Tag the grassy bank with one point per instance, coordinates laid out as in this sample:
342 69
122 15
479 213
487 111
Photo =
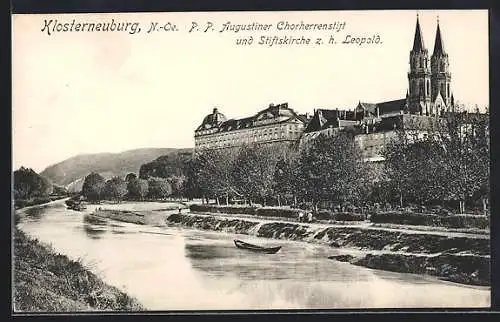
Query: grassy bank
46 281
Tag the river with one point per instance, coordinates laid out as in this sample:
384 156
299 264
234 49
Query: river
168 268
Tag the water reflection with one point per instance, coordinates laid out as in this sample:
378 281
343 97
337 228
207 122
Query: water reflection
93 232
35 213
94 220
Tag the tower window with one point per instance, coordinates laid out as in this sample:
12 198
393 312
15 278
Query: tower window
428 90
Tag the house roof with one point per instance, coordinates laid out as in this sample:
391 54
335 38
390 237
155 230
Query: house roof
326 118
392 106
219 121
387 107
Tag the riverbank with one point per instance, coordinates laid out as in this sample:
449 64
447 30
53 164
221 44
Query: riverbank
461 258
45 281
454 256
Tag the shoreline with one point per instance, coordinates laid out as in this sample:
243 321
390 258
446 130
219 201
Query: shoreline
44 280
454 256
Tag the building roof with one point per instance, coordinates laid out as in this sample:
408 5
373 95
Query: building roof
274 111
325 118
387 107
392 106
211 120
219 121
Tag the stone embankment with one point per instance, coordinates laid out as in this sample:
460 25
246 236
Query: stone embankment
457 257
454 257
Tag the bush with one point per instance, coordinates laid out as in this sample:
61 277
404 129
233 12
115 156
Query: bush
451 221
245 210
347 216
339 216
466 221
279 212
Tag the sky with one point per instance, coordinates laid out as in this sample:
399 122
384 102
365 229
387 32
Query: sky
90 92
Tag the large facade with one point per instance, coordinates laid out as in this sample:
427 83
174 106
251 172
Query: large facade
275 124
374 124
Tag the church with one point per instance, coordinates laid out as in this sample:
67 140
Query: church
428 97
429 80
429 84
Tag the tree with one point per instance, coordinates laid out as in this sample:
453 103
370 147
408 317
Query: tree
177 183
29 184
93 187
331 169
115 188
191 185
253 171
215 173
466 146
284 177
159 188
450 163
165 166
138 188
130 177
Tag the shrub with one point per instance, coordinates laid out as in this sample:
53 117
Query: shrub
224 209
450 221
347 216
339 216
278 212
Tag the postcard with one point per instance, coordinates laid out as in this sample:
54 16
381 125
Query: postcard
185 161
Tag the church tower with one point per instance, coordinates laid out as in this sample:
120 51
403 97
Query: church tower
419 77
441 76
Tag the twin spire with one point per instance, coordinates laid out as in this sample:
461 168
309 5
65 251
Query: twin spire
418 41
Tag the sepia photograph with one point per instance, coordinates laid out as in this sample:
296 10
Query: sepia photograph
184 161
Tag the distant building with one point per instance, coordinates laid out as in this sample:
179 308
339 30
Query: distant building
376 124
275 124
327 122
429 80
373 125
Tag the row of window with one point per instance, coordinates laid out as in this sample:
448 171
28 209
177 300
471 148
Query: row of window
235 142
261 132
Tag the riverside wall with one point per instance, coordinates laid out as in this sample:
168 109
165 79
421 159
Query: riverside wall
459 258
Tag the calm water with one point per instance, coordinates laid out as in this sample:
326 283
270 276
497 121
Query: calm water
175 269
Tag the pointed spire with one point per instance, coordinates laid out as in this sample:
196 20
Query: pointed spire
438 43
418 41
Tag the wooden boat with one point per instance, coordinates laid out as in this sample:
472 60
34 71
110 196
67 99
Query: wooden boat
268 250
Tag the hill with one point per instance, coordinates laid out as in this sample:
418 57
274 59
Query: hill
72 170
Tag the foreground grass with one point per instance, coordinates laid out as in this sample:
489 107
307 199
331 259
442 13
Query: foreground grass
50 282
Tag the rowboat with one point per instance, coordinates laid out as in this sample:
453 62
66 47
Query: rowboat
268 250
